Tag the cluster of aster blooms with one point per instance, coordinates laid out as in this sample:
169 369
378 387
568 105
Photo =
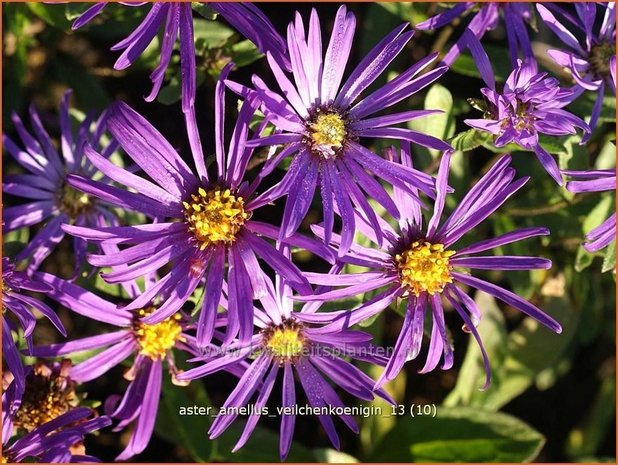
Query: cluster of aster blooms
260 317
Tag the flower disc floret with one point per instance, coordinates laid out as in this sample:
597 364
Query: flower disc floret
215 216
285 341
600 55
49 393
327 132
424 267
155 340
73 202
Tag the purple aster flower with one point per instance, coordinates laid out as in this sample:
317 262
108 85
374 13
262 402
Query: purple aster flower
204 222
148 345
21 307
177 21
592 55
421 265
486 17
51 200
529 104
595 181
49 442
285 345
321 121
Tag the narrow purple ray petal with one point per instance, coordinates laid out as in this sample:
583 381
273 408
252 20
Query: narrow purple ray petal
83 302
511 299
503 262
99 364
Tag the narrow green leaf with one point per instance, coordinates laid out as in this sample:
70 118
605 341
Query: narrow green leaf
468 140
609 261
583 259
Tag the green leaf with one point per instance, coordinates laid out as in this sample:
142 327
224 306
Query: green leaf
212 33
54 15
552 144
204 10
468 140
583 259
609 261
244 53
263 446
599 213
15 241
187 431
171 93
460 435
440 125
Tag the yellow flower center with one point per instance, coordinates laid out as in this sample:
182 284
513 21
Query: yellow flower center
155 340
328 133
215 216
49 393
424 267
285 341
73 202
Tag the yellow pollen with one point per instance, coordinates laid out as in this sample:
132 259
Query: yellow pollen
285 341
73 202
424 267
215 216
155 340
328 132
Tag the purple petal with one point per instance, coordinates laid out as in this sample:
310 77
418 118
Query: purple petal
511 299
512 236
99 364
83 302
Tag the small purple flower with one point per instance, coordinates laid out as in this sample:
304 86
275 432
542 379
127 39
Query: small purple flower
21 306
51 441
486 18
285 344
529 104
321 121
51 199
420 265
177 21
203 222
595 181
592 55
149 345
